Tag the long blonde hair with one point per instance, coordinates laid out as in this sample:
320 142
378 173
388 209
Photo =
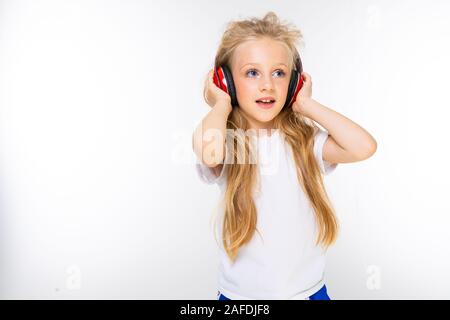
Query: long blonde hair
240 216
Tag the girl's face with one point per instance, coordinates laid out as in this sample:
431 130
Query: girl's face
260 69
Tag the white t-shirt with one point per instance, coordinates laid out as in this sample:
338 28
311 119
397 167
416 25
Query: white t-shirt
285 263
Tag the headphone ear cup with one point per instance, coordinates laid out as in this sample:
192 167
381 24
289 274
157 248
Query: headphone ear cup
217 78
291 89
223 79
298 86
295 84
230 85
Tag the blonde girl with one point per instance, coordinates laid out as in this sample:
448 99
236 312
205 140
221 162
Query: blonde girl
276 220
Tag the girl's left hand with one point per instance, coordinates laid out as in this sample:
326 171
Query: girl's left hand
304 94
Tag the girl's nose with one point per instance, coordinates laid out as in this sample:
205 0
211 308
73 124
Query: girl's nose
266 83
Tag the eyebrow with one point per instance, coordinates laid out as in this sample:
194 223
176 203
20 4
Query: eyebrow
257 64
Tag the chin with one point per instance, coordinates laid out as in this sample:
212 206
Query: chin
264 119
262 115
265 115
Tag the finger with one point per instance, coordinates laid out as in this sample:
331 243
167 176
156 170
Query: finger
206 86
307 77
208 76
211 76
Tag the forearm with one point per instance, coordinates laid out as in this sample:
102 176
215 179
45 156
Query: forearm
209 136
347 134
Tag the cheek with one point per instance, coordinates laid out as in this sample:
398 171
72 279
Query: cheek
283 88
245 89
283 85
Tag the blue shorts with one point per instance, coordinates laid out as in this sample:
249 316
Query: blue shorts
319 295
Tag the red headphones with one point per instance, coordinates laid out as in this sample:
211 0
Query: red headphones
224 80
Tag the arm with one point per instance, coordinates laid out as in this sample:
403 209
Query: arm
208 139
348 142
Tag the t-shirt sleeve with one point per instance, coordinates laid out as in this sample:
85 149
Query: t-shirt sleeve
207 174
319 140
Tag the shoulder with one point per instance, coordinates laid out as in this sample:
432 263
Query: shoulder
322 144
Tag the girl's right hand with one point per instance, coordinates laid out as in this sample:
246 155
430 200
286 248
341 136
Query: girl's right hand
212 93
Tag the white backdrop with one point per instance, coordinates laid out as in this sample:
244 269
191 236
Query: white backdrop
99 197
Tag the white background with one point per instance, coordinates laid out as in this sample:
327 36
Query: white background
99 198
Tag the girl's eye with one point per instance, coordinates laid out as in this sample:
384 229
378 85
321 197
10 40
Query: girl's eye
281 72
250 71
254 71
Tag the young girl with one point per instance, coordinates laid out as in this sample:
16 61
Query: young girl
276 221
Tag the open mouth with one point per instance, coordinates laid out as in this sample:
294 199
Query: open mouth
266 104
